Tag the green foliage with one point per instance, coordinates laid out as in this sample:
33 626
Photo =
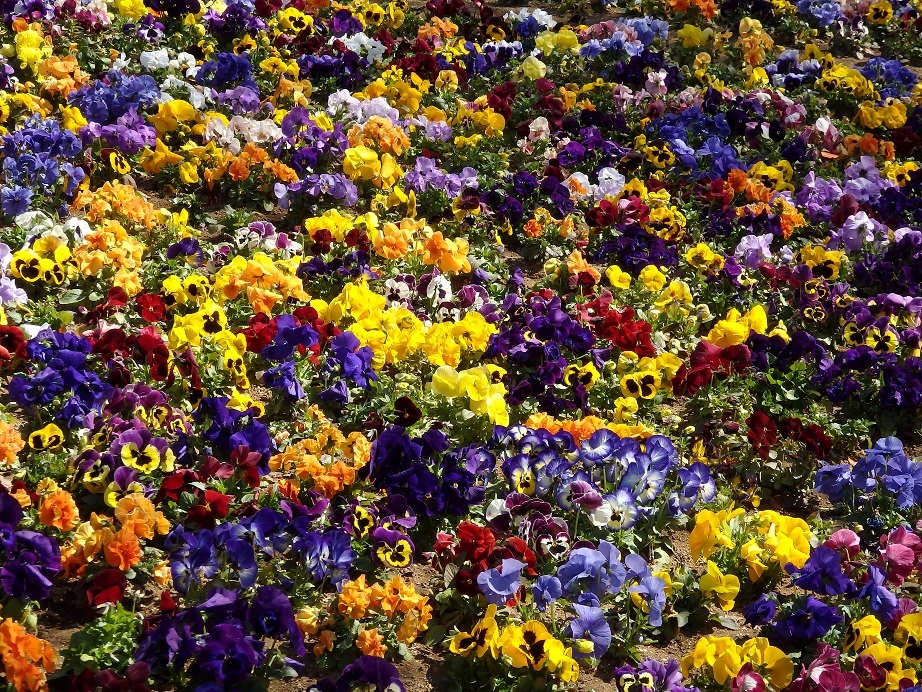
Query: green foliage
107 643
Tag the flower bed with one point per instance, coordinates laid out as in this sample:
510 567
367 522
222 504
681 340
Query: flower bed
335 335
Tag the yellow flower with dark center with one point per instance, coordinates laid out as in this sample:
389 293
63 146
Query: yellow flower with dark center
52 272
901 174
400 554
524 480
816 313
854 335
666 222
705 260
49 437
824 263
173 293
96 478
196 286
816 288
525 645
880 12
233 363
586 375
481 639
882 340
157 415
26 265
213 318
101 437
862 633
909 634
637 682
117 162
362 521
144 459
890 658
244 44
294 21
659 154
395 15
495 32
374 14
643 384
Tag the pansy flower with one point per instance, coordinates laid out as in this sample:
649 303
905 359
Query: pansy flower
392 548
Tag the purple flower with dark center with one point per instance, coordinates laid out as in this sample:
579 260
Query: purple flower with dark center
653 591
370 673
288 337
349 359
328 555
270 614
170 643
242 100
903 478
15 200
393 451
283 377
590 624
761 611
881 600
187 247
336 395
697 485
808 623
240 554
834 481
498 585
192 557
596 571
228 656
822 574
579 492
10 510
546 590
32 561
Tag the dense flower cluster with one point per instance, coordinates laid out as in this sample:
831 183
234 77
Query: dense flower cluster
333 334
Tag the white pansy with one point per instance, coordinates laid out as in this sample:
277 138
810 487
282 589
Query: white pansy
611 182
216 131
373 49
155 59
543 18
539 129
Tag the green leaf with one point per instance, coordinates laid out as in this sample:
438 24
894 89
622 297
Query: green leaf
435 635
451 570
74 295
728 622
